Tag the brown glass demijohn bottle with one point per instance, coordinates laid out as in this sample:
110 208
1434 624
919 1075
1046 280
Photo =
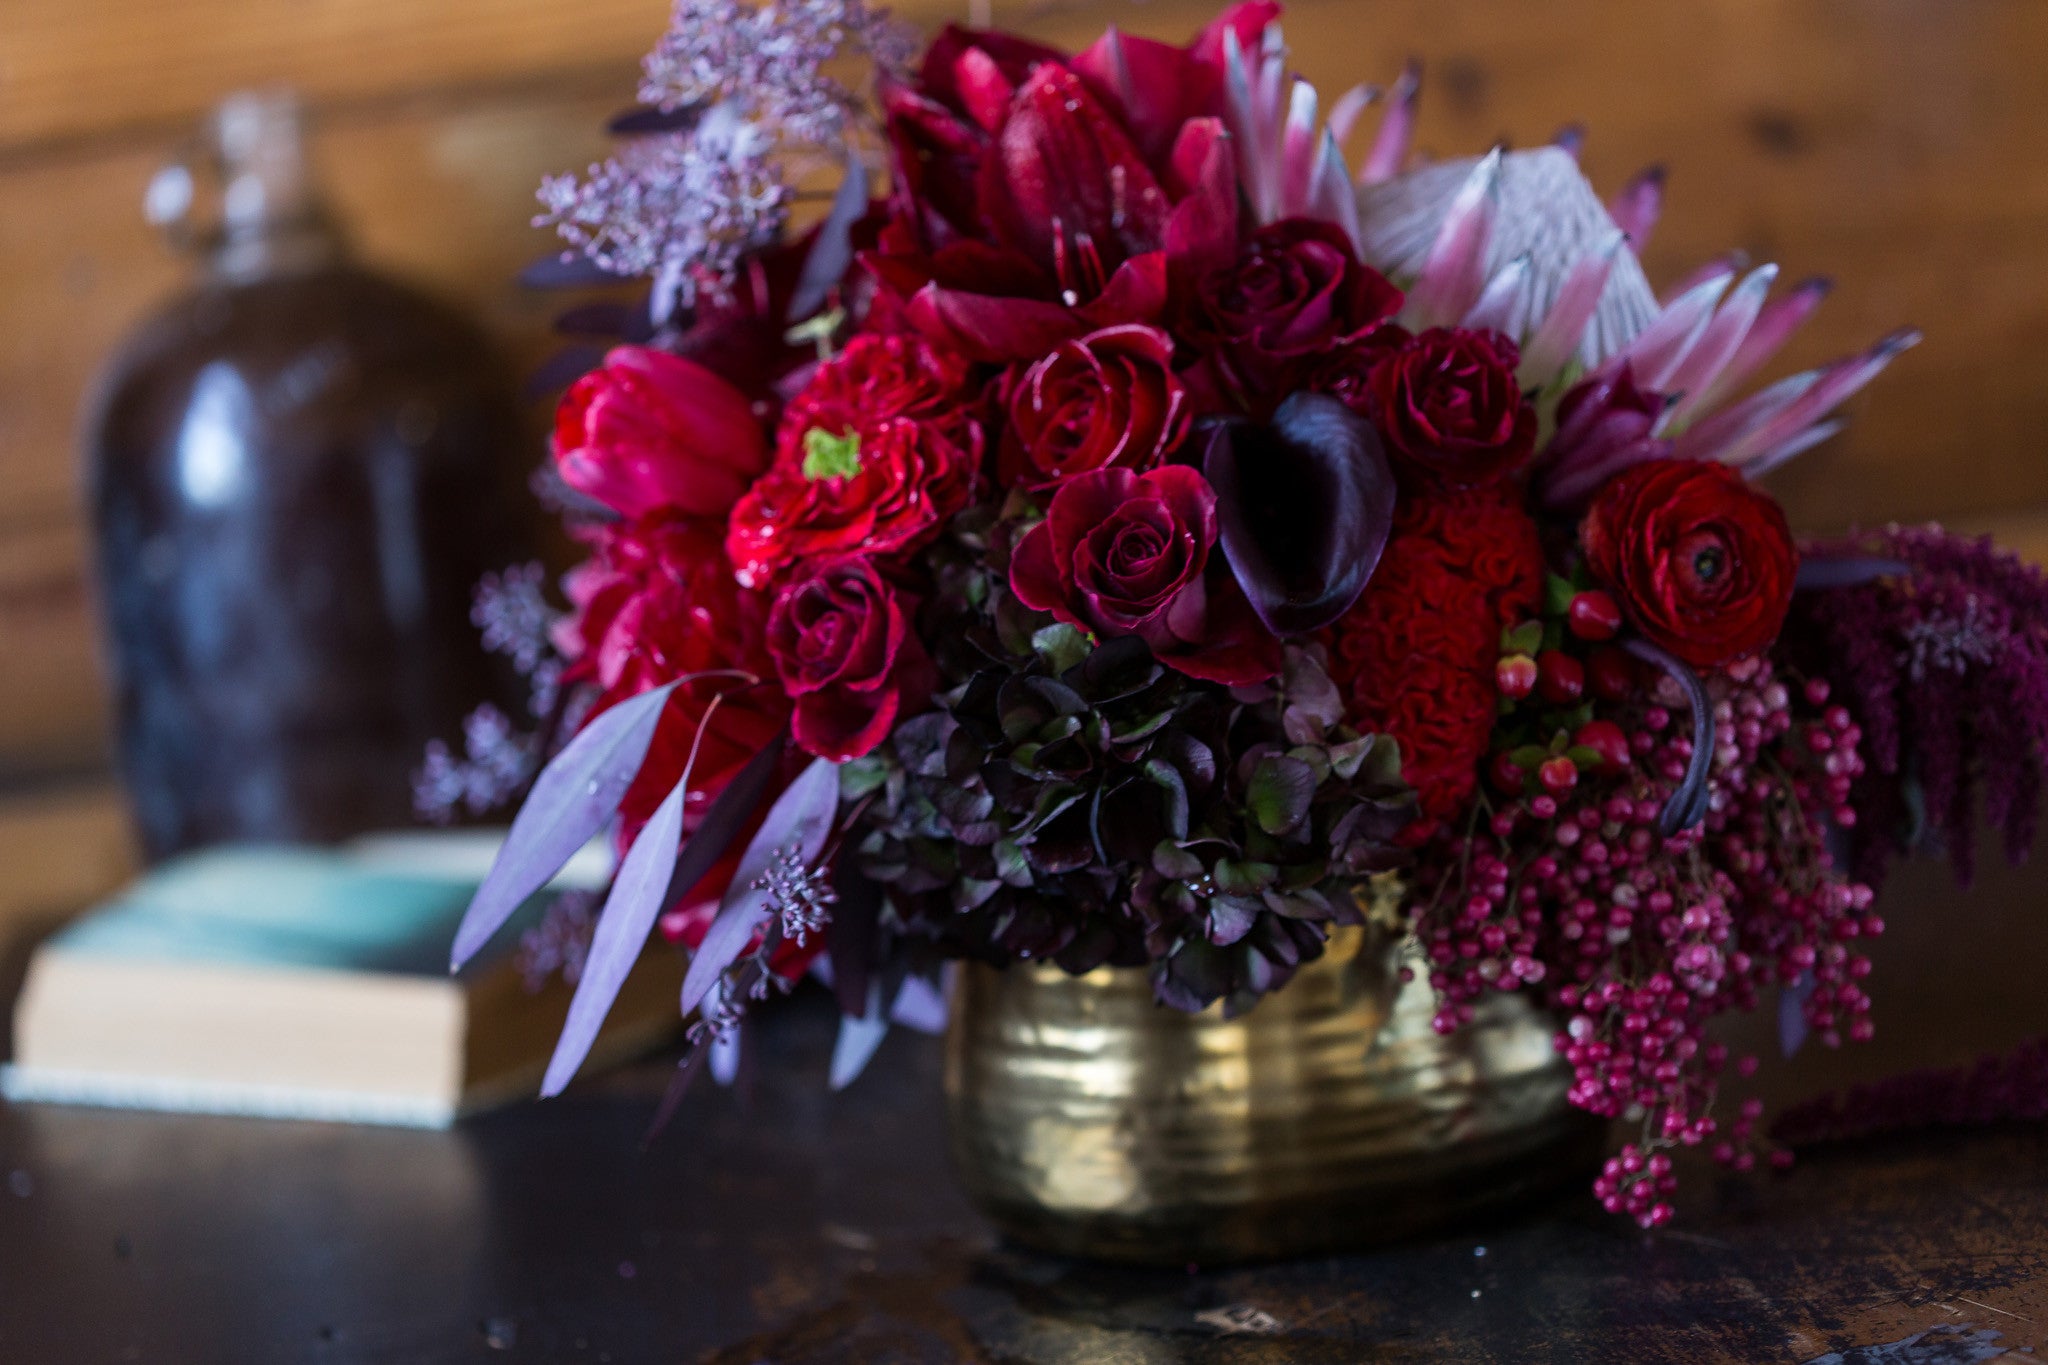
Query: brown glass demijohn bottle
297 472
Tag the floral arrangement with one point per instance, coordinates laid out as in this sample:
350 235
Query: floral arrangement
1133 530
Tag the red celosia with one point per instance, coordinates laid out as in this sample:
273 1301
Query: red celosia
1416 656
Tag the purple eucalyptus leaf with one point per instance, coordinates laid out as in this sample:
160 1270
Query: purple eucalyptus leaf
678 1086
1792 1025
566 270
620 321
1818 573
801 819
1305 504
570 801
725 1055
562 369
856 921
858 1039
832 250
920 1005
729 813
635 902
1688 805
643 119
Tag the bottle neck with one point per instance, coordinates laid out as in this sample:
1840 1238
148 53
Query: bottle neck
293 246
268 218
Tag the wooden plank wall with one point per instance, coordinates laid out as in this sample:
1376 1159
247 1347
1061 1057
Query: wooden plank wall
1895 144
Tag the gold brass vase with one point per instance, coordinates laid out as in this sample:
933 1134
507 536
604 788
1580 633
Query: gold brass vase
1088 1120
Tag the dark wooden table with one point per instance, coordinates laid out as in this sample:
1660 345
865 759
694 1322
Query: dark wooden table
804 1227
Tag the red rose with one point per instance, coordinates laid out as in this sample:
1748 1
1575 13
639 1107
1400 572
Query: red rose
1295 293
655 603
876 453
843 647
649 430
1109 398
1702 563
1450 409
1121 553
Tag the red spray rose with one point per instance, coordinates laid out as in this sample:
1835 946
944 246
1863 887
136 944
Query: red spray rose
1703 564
1109 398
879 377
843 646
1416 658
649 430
1121 553
1295 293
657 602
874 455
1450 409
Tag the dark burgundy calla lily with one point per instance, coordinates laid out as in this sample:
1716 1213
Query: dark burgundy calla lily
1305 504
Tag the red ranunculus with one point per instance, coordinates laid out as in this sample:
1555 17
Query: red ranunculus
657 602
1295 293
876 453
1109 398
1122 553
1450 409
649 430
1702 563
843 646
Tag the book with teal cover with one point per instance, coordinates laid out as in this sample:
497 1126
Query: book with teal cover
302 982
282 907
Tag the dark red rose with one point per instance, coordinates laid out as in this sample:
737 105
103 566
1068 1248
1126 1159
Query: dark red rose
657 602
647 431
1346 373
1295 293
874 456
1701 562
1122 553
1450 409
843 647
1108 398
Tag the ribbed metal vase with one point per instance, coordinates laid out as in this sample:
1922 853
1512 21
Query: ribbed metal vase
1090 1121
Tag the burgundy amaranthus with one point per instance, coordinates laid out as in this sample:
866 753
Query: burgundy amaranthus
1994 1089
1944 660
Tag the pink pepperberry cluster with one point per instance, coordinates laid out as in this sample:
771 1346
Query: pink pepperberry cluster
1637 939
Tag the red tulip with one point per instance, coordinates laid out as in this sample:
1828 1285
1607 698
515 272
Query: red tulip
649 431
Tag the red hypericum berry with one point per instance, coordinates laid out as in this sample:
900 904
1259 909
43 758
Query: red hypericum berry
1593 616
1559 677
1507 774
1515 675
1606 739
1558 775
1612 674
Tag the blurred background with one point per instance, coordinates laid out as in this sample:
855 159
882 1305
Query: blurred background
1895 145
